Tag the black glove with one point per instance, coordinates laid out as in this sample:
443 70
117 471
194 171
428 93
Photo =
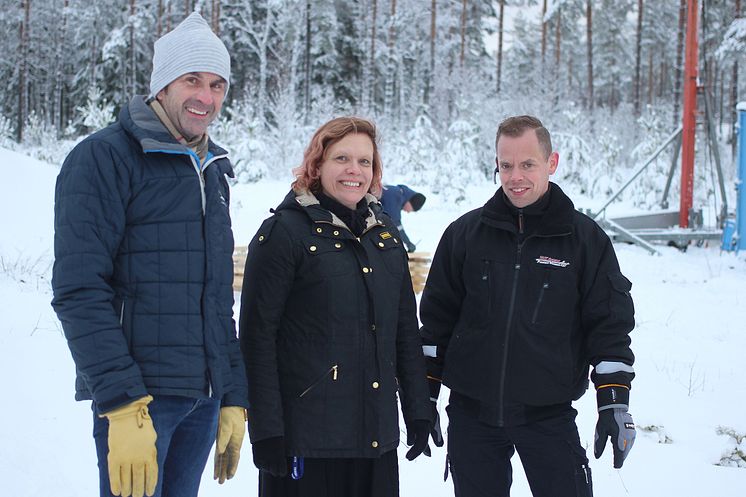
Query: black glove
417 433
614 421
269 456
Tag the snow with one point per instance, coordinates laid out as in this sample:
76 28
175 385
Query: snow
690 344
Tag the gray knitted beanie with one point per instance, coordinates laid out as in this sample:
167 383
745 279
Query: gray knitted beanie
189 47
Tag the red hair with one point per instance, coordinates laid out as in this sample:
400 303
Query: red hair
308 174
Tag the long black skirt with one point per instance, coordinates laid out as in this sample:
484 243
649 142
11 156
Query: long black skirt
337 478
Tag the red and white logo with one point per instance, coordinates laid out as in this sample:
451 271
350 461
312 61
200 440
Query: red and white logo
549 261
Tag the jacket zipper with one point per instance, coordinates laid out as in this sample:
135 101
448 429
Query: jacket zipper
334 370
538 303
508 326
520 221
200 174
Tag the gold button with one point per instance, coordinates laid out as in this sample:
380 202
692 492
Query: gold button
336 233
375 384
366 270
380 244
312 248
338 245
261 237
318 230
374 444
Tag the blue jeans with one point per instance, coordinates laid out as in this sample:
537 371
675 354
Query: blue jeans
186 430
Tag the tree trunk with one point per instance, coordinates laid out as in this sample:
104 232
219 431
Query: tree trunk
430 88
734 93
650 77
216 16
543 34
388 90
307 65
23 32
57 114
679 55
132 72
463 33
159 20
637 56
373 56
589 39
500 44
557 53
433 35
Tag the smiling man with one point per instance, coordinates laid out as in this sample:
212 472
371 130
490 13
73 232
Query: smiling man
524 295
143 278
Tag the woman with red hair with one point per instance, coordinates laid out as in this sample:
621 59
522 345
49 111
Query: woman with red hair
329 331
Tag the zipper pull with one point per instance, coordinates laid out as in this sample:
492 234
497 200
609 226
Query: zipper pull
334 372
520 221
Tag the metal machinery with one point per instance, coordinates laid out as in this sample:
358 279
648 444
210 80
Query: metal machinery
662 226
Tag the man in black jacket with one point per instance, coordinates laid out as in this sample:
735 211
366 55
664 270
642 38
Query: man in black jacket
524 294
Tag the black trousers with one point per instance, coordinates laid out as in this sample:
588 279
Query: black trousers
553 459
337 478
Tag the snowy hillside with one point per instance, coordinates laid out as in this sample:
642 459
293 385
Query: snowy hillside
690 344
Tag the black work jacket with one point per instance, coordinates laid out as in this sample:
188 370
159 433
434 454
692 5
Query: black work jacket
328 330
517 323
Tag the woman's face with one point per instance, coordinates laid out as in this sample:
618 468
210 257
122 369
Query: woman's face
347 169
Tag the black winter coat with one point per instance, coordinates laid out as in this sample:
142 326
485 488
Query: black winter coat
143 266
328 330
519 323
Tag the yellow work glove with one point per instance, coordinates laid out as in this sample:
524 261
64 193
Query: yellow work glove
133 461
231 429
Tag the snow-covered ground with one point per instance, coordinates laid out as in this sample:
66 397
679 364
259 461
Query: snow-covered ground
690 344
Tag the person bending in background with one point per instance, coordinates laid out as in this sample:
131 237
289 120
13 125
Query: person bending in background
143 278
397 198
523 295
329 331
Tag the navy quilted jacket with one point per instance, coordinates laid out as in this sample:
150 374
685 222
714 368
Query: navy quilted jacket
143 268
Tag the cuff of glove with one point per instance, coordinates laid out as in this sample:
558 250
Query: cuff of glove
127 409
612 396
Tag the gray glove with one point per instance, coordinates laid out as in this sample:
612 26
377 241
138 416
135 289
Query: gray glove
614 421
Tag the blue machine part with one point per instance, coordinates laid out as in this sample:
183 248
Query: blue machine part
734 232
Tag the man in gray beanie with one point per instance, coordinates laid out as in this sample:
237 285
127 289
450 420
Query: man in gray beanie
143 277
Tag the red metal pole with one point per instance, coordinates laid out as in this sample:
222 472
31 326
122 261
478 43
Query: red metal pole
690 114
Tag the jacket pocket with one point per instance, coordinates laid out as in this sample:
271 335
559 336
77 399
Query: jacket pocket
620 300
332 371
540 299
328 257
123 308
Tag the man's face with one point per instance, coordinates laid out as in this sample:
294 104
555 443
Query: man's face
192 102
524 168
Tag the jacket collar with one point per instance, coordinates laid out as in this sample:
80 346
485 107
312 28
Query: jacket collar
556 218
139 120
308 203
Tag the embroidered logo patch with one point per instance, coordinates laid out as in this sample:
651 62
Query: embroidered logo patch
543 259
385 235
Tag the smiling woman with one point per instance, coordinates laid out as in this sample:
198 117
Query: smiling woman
328 329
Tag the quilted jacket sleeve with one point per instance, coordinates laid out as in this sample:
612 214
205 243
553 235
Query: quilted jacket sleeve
89 220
